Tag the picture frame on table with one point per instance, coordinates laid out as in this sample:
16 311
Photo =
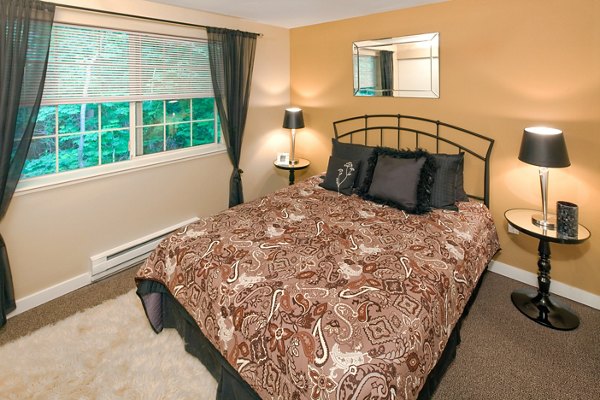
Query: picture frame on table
283 158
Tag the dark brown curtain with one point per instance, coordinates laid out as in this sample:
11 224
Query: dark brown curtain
231 55
386 63
25 28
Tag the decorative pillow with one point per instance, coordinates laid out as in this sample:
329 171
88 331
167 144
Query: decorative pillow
460 189
443 192
400 178
352 151
341 175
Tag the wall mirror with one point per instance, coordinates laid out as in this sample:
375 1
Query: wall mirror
406 66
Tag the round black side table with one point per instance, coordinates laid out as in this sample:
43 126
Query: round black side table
300 164
539 305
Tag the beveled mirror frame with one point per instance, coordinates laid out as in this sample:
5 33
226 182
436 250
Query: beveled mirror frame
412 66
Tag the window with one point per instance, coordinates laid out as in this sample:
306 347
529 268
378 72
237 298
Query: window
366 79
115 97
73 136
175 124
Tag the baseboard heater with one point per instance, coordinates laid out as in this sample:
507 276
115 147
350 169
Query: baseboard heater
128 254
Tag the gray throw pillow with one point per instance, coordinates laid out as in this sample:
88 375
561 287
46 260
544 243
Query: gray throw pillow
394 183
341 175
461 195
395 180
352 151
443 192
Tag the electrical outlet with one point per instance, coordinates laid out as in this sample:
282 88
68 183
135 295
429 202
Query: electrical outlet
512 229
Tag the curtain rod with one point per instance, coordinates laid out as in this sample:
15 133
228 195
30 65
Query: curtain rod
134 16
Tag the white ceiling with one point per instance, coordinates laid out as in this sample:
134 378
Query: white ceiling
295 13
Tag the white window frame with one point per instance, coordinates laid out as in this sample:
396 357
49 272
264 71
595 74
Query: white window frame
135 163
59 179
106 170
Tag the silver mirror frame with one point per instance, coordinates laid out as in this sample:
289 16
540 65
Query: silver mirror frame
415 66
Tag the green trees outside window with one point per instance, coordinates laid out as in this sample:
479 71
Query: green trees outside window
73 136
175 124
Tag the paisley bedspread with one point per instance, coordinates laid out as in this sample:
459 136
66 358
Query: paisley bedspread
313 295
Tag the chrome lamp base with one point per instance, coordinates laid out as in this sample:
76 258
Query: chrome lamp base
549 223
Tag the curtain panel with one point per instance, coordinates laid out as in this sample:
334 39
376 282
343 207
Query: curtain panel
387 72
231 54
25 29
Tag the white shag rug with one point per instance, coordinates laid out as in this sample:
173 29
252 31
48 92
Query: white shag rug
106 352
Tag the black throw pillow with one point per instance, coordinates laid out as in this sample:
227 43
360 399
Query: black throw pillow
443 192
352 151
400 178
341 175
461 195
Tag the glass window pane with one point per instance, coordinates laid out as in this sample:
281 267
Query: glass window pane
41 159
70 118
178 136
152 112
46 121
91 116
178 110
203 133
203 108
152 139
77 151
115 146
115 115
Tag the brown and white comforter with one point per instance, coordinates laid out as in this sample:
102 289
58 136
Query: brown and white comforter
313 295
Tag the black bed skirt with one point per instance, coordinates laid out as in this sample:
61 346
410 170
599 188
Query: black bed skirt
230 385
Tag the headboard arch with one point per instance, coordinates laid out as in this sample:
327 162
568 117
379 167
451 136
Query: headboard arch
375 129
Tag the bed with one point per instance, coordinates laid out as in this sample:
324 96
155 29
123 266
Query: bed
336 292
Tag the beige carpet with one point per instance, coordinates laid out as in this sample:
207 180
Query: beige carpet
503 355
105 352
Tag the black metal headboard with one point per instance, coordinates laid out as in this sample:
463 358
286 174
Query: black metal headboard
416 132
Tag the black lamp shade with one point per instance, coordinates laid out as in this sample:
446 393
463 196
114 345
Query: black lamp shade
293 118
544 147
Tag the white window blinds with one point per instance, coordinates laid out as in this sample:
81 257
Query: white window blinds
88 65
366 78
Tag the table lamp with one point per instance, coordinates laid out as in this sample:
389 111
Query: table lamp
293 119
546 148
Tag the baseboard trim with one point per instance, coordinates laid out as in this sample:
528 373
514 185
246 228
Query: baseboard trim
51 293
559 288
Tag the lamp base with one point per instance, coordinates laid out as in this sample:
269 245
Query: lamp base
550 223
293 162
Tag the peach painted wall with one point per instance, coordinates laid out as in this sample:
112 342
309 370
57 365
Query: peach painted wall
505 65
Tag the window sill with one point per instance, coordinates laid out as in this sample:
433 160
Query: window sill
47 182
